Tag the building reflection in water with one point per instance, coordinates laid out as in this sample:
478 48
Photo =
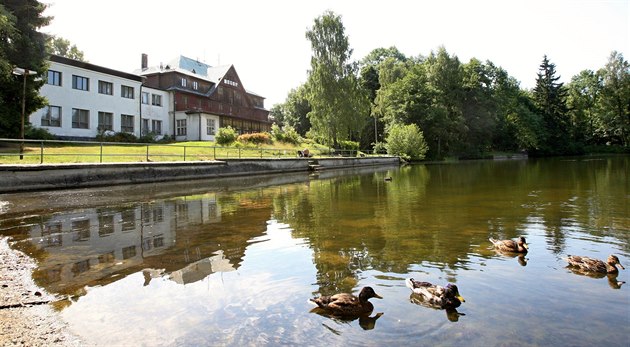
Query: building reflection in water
183 238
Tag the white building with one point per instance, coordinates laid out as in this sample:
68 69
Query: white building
85 100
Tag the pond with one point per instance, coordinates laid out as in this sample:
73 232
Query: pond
234 262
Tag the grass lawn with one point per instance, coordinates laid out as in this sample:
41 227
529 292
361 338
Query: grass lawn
88 152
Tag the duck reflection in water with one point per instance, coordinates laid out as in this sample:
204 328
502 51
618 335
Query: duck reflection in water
346 307
520 257
596 268
451 313
365 321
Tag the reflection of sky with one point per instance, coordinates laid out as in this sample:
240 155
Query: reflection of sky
275 275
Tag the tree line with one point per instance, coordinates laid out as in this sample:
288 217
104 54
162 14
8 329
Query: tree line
467 110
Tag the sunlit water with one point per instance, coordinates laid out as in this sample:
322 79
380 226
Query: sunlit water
234 262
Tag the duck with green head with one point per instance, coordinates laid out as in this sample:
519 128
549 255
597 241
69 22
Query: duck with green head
344 304
446 297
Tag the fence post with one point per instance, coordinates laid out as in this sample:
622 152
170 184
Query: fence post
261 153
184 153
147 153
101 155
41 152
239 153
215 153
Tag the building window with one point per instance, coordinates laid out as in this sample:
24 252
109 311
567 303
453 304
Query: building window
54 78
105 121
195 85
184 82
80 83
210 126
156 125
126 123
156 100
145 126
126 92
145 98
105 88
80 118
51 116
181 127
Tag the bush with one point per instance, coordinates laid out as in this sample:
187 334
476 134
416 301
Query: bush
109 136
406 141
349 145
225 136
255 138
287 134
39 134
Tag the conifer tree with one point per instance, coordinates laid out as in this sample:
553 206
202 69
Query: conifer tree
21 46
550 98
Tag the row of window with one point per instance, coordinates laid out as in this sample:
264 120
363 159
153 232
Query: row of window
156 99
83 83
51 117
180 127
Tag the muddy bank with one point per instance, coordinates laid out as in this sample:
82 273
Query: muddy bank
26 317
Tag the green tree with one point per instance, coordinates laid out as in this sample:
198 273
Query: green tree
406 141
583 98
550 99
296 110
615 100
338 104
21 45
444 73
60 46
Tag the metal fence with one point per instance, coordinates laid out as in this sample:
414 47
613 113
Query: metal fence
17 151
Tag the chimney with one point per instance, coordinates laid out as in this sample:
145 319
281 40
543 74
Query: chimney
145 61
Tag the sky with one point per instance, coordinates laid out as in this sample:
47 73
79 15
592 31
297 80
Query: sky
265 39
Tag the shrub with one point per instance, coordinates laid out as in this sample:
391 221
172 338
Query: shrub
110 136
225 135
38 134
287 134
406 141
255 138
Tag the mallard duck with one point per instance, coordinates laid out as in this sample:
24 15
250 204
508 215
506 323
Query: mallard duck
446 297
512 246
595 265
345 304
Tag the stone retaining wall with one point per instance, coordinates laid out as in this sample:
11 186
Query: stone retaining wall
19 178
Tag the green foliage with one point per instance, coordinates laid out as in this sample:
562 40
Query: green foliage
62 47
338 103
349 145
406 141
286 134
121 137
550 96
226 135
38 134
21 45
255 138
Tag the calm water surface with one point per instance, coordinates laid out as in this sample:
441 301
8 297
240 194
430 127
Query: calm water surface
234 262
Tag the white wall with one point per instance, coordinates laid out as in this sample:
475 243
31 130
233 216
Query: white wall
68 98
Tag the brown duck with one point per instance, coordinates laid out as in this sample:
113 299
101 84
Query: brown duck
519 246
595 265
345 304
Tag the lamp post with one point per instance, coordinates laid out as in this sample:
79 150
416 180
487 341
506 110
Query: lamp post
23 72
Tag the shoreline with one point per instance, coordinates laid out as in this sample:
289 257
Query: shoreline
26 315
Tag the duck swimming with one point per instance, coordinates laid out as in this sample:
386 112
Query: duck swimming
446 297
595 265
519 246
345 304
